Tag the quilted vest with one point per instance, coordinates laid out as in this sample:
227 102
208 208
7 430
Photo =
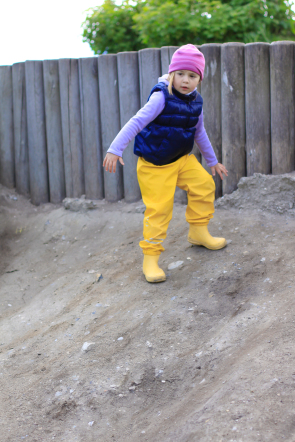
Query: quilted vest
171 135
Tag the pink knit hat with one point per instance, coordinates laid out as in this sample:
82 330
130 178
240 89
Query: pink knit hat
189 58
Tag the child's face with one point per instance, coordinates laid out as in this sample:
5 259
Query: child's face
185 81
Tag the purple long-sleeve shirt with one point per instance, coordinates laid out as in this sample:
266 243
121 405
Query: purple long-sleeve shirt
146 115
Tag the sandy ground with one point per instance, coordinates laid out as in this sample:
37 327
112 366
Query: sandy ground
206 356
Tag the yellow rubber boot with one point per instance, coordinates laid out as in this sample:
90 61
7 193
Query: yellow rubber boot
151 270
200 236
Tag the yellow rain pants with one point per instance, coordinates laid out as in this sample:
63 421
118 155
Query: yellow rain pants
157 185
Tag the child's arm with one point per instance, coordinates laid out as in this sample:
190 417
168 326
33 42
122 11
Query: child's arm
144 116
206 149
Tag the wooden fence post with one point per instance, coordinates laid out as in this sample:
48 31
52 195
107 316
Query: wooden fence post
21 152
149 70
71 127
165 59
211 93
166 55
36 132
110 121
257 100
233 114
282 67
129 100
6 128
53 131
92 149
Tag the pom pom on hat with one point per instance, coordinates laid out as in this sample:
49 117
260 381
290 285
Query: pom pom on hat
189 58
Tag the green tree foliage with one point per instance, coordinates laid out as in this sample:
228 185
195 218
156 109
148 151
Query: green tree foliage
156 23
110 28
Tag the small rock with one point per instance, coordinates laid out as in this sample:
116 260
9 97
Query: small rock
91 271
229 241
132 388
120 339
90 423
98 277
203 380
78 204
140 209
87 346
175 265
58 393
262 260
149 344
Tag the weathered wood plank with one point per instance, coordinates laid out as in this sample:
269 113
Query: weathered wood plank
6 128
36 132
110 121
211 93
91 130
54 131
233 114
71 127
129 99
282 91
21 150
149 71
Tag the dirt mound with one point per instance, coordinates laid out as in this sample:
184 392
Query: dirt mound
272 193
206 356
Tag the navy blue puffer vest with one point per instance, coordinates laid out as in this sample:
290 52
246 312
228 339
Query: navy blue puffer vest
171 135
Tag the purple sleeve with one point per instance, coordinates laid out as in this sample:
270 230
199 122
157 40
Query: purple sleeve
203 142
144 116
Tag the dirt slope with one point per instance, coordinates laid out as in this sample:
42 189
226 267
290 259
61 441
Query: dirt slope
206 356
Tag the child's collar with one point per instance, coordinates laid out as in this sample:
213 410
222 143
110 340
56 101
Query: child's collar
185 97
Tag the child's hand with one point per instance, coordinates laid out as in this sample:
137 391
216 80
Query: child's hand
220 169
110 162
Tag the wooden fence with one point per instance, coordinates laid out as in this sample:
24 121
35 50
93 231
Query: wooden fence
58 117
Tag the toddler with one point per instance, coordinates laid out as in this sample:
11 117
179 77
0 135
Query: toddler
165 130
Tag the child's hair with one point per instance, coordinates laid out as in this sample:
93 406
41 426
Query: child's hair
171 78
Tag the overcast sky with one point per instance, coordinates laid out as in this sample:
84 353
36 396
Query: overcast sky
42 29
